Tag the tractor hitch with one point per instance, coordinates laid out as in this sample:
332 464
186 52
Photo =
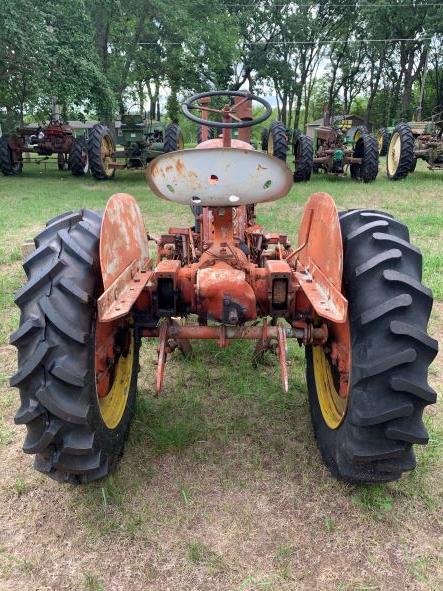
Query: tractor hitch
172 335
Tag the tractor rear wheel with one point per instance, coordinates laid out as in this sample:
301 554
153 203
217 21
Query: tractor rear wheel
264 139
366 433
174 140
383 137
366 149
400 152
303 158
78 158
101 150
77 377
7 165
278 141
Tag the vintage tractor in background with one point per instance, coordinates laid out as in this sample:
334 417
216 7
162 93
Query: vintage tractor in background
278 137
44 141
143 140
349 290
335 151
414 140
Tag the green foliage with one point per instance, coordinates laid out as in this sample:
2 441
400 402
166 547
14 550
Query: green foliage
98 57
45 52
376 500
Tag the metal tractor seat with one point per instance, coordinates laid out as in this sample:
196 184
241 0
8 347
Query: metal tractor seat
219 177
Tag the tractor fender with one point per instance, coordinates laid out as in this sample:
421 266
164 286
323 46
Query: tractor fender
124 256
320 260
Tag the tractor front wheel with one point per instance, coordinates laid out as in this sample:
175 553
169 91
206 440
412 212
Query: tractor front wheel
366 149
7 164
78 158
76 376
278 141
101 151
400 158
303 158
174 140
366 430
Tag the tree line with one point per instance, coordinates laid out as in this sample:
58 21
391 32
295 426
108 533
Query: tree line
379 58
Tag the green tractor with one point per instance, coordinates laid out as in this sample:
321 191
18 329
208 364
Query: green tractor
416 140
142 141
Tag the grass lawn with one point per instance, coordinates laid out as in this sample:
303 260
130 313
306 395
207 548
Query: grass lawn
221 486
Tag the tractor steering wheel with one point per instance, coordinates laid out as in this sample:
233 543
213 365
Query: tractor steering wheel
227 111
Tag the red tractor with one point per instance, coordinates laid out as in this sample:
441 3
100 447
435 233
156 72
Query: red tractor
43 142
349 290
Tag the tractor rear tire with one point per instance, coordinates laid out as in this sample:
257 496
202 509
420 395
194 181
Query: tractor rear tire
66 429
7 166
78 158
278 141
389 310
365 148
264 139
303 158
212 133
174 140
400 158
413 165
101 150
383 138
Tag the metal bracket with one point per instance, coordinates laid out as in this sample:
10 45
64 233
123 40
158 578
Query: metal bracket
123 292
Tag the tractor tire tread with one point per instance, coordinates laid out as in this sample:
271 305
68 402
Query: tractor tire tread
96 166
305 161
55 377
406 160
279 140
173 138
365 148
391 353
76 164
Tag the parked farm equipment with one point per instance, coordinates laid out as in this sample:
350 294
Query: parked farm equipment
44 142
416 140
143 140
335 152
349 290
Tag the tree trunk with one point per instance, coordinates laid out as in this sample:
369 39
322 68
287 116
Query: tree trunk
141 96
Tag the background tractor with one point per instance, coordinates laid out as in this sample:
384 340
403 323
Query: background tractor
335 151
349 290
411 141
44 141
142 141
278 137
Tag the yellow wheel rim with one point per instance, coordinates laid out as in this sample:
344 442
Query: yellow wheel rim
107 149
270 144
394 153
357 136
332 406
380 141
112 406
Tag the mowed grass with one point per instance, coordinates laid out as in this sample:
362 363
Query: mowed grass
221 486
